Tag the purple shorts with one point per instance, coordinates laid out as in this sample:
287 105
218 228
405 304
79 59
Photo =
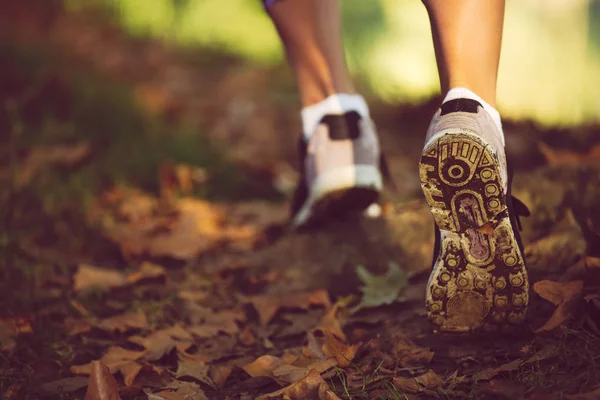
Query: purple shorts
268 3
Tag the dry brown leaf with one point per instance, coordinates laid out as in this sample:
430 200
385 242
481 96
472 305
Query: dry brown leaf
193 295
141 224
102 385
263 366
246 337
313 348
124 322
88 277
183 391
12 327
193 367
563 295
114 359
215 322
179 179
408 385
77 326
489 373
220 373
429 380
161 342
130 371
330 323
564 157
409 354
147 270
311 387
66 385
42 158
333 347
268 306
288 373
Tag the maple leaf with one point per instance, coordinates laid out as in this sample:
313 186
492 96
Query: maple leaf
380 290
561 294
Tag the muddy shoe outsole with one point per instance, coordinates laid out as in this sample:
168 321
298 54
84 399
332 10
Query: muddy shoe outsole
479 281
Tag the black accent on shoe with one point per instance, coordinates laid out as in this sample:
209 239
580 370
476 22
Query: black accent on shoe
301 192
343 127
460 105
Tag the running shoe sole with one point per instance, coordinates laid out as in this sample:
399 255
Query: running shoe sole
338 193
479 281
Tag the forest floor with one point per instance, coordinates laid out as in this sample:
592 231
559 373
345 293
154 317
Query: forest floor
143 203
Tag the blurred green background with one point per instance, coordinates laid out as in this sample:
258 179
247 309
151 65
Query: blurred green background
550 66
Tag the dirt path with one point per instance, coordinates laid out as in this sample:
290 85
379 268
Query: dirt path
183 298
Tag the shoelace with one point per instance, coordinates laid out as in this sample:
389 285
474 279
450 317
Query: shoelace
520 210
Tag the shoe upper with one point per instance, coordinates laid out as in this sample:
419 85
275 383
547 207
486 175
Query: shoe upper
338 142
469 115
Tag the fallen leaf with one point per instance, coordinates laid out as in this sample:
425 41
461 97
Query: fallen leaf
561 294
12 327
333 347
313 348
130 371
268 306
246 337
212 323
88 277
41 158
503 388
161 342
408 354
429 380
263 366
182 391
565 157
193 367
66 385
220 373
489 373
141 224
486 229
380 290
102 385
311 387
147 271
115 358
330 323
408 385
124 322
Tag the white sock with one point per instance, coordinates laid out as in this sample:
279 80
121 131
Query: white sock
336 104
464 93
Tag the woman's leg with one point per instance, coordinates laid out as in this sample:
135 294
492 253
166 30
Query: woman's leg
467 35
311 33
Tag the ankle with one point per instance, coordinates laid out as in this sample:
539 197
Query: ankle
336 104
464 93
